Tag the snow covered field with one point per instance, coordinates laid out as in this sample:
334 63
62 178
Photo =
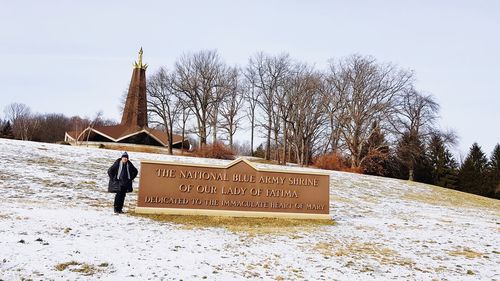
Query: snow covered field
56 222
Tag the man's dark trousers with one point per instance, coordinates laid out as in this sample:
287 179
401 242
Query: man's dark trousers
119 199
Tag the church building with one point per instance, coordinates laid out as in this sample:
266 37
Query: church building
133 128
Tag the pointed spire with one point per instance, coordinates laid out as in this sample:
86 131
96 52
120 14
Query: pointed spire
139 64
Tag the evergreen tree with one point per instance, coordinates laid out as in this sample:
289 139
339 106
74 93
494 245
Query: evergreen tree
423 169
375 153
407 151
494 172
6 130
443 165
472 176
411 152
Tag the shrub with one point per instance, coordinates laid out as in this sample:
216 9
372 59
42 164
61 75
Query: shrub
374 163
216 150
332 161
335 161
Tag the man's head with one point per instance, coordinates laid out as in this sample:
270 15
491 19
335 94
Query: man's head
125 157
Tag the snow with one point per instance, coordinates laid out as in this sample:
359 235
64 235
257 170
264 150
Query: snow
54 209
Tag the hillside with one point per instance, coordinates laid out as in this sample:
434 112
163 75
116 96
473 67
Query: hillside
56 222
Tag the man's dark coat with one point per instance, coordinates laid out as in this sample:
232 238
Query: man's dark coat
124 183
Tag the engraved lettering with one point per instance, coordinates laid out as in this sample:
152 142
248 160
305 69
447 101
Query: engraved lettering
228 190
281 193
272 180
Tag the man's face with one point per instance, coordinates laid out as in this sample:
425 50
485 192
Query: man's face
124 159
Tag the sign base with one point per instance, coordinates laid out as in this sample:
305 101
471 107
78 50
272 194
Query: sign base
224 213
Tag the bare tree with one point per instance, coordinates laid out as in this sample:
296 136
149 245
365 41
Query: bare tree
182 121
416 113
334 110
414 122
20 116
231 106
164 105
286 102
307 113
251 97
368 91
227 85
198 79
95 121
269 74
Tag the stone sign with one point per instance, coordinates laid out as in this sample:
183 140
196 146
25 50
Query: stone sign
237 189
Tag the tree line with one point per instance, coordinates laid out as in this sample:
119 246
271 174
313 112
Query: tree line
368 115
23 124
301 112
363 115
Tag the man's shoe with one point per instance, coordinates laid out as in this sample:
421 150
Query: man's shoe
118 212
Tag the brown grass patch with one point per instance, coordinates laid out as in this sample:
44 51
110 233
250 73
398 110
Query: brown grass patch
4 216
453 198
362 250
252 226
465 252
74 266
335 198
64 265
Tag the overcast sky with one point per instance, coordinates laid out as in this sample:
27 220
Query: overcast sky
76 57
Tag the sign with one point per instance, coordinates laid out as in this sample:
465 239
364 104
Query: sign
237 189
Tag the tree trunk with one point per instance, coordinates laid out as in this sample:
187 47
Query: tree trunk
170 139
410 175
214 133
268 141
285 137
231 140
203 135
251 133
276 144
183 136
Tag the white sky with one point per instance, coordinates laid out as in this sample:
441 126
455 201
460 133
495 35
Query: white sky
76 57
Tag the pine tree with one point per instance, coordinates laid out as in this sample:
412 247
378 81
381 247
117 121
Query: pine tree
409 151
374 153
494 172
6 131
443 165
472 176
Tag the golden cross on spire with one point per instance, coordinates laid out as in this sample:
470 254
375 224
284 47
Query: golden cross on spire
139 64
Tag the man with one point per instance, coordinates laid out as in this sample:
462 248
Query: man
121 174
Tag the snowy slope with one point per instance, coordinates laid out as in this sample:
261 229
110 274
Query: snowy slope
56 222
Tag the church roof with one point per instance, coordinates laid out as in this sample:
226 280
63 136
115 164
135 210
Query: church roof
117 133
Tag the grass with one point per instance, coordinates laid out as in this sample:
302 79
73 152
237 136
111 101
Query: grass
4 216
335 198
465 252
64 265
362 250
452 198
74 266
252 226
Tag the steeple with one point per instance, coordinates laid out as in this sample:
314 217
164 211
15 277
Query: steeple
135 110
